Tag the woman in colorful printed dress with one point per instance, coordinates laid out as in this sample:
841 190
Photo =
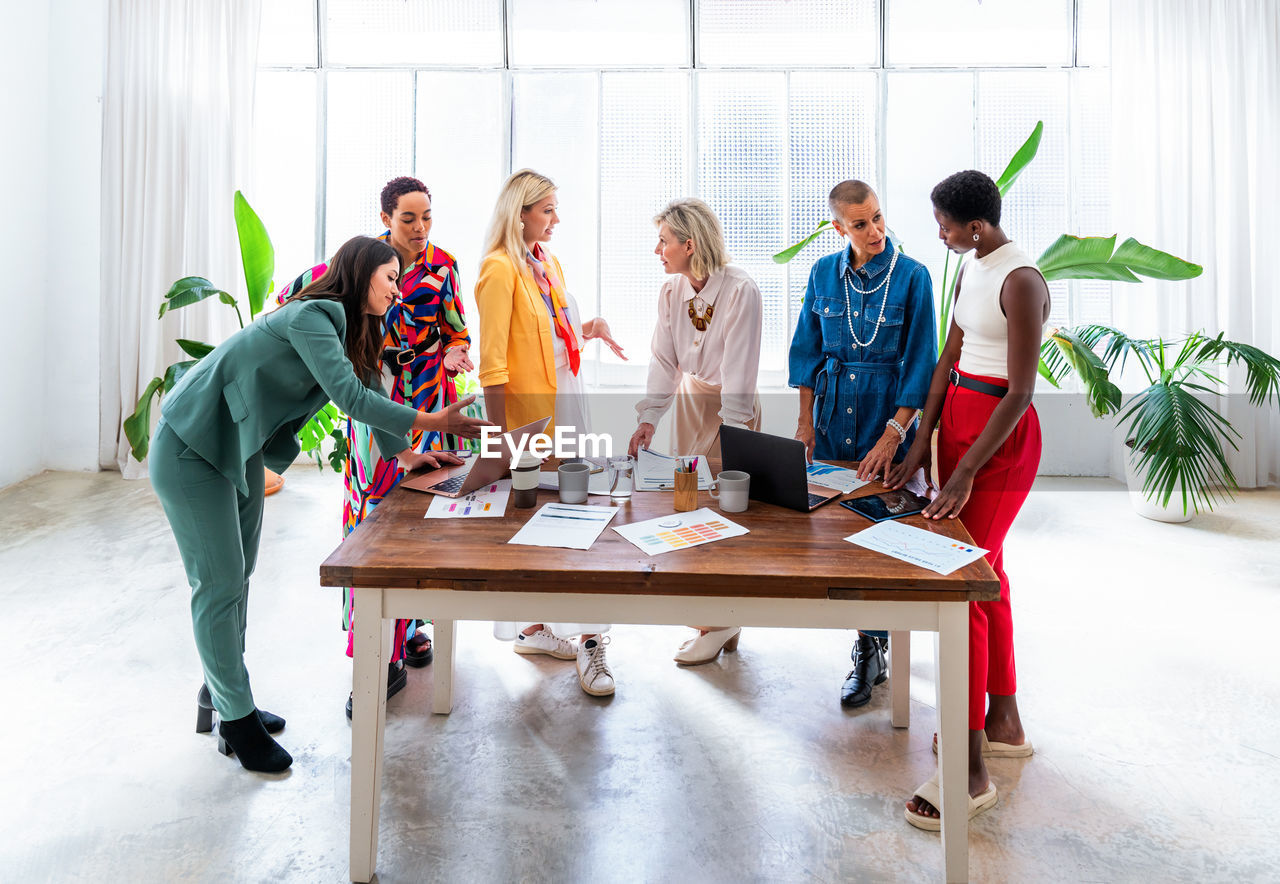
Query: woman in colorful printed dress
531 339
426 345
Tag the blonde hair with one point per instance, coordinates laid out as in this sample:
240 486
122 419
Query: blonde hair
522 190
692 219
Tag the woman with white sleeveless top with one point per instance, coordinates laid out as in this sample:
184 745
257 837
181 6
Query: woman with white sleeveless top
988 452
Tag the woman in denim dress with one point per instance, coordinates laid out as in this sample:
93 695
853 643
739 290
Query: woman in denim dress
862 357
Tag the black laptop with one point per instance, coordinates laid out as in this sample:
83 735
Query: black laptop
777 468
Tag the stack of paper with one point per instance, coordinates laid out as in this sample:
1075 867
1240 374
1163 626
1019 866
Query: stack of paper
917 546
491 500
656 471
839 478
565 525
680 530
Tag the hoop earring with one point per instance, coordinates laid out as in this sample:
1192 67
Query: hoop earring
975 237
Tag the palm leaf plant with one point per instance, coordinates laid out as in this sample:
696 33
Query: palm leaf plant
258 261
1177 438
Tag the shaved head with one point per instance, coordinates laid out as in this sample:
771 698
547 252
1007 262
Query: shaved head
849 193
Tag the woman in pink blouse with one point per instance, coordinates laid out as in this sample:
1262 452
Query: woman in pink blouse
706 353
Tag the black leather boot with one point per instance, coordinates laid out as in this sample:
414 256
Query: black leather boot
397 678
249 740
205 716
869 669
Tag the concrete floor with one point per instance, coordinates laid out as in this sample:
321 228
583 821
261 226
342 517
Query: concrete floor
1150 685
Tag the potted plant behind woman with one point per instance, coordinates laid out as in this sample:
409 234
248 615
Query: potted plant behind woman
1173 436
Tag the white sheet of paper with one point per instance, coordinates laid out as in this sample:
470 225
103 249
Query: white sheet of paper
680 530
489 501
564 525
839 478
917 546
656 471
597 483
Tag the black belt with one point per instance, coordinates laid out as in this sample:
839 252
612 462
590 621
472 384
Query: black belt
407 355
960 380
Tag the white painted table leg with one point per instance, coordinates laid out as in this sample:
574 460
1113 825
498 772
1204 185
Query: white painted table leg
953 736
371 652
900 676
445 638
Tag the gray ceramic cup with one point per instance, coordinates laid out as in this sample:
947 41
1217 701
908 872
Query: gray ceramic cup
731 489
573 482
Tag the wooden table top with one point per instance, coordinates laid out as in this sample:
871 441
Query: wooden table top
787 554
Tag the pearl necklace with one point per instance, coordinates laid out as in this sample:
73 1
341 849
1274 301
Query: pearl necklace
848 307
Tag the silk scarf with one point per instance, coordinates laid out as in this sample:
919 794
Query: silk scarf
552 290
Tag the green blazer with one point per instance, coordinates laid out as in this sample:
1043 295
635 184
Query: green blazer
257 389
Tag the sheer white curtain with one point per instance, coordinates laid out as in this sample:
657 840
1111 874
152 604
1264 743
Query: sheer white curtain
176 144
1196 142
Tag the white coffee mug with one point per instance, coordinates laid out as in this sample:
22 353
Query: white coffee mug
731 489
524 472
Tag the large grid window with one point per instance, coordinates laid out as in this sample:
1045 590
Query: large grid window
756 106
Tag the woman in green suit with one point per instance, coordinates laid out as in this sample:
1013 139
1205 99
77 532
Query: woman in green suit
239 409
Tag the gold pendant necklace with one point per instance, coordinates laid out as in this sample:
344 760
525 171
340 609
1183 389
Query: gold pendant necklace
700 319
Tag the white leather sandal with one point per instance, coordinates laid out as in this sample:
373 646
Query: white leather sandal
705 648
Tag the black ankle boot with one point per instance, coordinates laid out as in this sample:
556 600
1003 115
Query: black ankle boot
249 740
869 668
205 716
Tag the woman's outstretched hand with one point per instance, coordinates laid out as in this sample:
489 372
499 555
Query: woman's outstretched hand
427 460
953 496
452 420
920 454
598 330
457 360
640 439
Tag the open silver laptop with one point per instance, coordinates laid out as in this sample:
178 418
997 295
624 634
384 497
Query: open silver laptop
457 480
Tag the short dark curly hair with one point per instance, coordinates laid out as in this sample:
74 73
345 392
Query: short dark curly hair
968 196
398 187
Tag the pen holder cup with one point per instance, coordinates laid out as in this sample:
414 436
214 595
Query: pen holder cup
686 492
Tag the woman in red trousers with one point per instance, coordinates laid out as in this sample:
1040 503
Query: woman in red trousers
988 452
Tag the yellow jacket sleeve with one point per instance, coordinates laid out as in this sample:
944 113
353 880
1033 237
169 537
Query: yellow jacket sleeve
495 294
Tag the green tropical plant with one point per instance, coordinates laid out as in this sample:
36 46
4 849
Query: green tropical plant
258 261
1176 436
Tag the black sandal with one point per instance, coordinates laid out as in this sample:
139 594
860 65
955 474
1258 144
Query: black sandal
417 650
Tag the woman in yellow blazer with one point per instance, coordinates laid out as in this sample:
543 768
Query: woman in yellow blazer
531 341
241 407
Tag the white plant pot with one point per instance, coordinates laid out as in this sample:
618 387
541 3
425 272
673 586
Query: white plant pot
1144 506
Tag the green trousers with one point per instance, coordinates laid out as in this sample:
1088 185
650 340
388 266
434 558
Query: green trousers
217 530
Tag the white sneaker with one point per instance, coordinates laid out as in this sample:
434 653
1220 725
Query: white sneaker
593 671
544 642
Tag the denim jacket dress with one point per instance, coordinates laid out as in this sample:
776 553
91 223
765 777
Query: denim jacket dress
856 389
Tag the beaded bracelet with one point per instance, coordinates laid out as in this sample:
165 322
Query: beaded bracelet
898 428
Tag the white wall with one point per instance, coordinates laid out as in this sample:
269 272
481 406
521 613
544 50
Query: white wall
25 244
75 67
50 160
